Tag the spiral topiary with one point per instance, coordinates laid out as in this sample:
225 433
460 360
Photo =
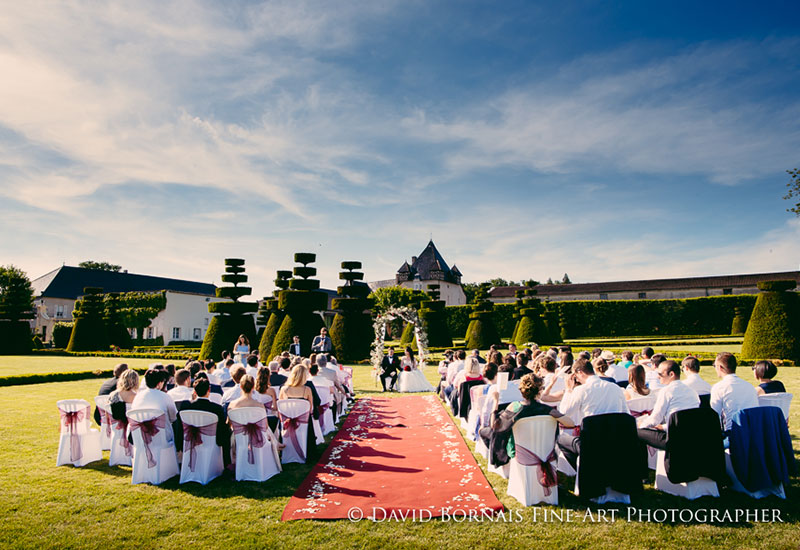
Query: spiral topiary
531 325
481 331
232 317
739 325
774 328
351 330
299 303
89 330
275 318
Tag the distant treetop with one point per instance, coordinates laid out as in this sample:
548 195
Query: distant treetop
101 266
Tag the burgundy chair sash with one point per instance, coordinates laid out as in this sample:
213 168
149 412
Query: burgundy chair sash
547 472
637 414
105 421
71 420
193 436
149 429
122 426
290 427
255 436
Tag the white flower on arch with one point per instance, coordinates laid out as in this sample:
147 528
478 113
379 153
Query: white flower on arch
407 314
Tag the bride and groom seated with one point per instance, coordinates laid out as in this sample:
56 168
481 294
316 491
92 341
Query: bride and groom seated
402 373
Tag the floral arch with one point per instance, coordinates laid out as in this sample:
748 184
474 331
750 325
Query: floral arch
407 314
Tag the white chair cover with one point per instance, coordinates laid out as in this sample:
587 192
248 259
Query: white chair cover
215 398
780 400
121 449
326 418
79 443
256 448
532 474
640 406
349 378
154 458
101 402
737 486
690 490
294 415
202 457
477 398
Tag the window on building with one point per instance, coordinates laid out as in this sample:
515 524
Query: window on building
642 295
44 332
206 321
196 334
603 296
417 286
727 291
176 333
60 311
150 333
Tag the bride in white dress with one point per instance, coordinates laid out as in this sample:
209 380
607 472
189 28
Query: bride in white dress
411 378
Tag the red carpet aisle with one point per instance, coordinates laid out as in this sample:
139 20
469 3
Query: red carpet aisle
401 455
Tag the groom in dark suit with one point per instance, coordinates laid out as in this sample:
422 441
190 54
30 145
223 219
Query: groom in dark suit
389 367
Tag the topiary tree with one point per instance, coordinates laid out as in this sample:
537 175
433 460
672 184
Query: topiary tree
774 328
432 315
138 309
351 330
89 328
551 321
481 331
562 320
262 317
116 332
739 325
531 325
519 294
61 333
232 317
16 308
276 316
407 337
300 302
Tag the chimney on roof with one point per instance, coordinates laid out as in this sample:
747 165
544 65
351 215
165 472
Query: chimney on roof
413 260
124 270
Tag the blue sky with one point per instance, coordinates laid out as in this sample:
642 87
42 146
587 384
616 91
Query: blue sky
608 140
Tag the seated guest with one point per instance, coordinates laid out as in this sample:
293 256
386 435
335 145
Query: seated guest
266 395
497 398
109 386
691 368
235 392
651 373
476 353
171 378
596 352
495 357
152 397
194 367
586 395
615 371
296 387
215 393
442 370
636 383
331 374
211 370
452 370
202 403
674 396
246 385
554 383
472 371
731 394
764 372
251 365
183 386
627 361
121 398
500 437
228 381
521 367
601 368
645 358
490 376
275 378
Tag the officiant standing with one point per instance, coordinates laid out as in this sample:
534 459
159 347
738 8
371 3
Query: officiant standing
389 367
322 343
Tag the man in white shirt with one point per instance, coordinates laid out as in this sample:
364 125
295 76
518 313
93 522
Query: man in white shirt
674 396
731 394
456 366
332 376
586 395
183 387
251 367
153 397
223 371
618 373
691 368
234 392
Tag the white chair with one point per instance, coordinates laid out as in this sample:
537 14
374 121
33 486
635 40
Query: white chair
477 398
690 490
121 449
535 460
154 457
215 398
256 449
294 415
640 406
326 422
348 374
780 400
101 402
79 444
202 457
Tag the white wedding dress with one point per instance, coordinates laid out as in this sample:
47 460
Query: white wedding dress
412 380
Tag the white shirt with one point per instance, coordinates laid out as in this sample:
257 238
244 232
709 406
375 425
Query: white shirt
232 394
618 373
222 373
453 369
651 379
213 378
181 393
730 395
675 396
594 397
699 385
157 399
252 371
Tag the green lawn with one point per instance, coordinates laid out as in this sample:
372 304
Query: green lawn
96 507
14 365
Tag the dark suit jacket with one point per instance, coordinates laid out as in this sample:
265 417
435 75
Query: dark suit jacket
519 372
108 386
223 430
694 446
276 379
389 367
216 388
294 349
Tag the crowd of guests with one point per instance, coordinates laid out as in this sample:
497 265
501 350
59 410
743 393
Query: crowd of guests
238 380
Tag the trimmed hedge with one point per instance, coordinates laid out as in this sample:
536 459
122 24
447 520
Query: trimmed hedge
233 317
739 326
89 329
774 328
15 337
351 330
121 355
61 334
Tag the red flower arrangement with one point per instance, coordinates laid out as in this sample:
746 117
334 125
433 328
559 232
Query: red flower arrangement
407 368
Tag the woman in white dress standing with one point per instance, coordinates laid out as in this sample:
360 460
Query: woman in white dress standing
242 349
411 378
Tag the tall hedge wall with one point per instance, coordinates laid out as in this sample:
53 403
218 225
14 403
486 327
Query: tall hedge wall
711 315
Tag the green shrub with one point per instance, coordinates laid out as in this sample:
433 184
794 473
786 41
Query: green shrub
89 328
233 318
351 331
407 337
15 337
739 325
61 334
774 328
117 334
481 332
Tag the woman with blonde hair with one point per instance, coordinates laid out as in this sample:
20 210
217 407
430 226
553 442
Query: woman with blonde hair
121 398
295 387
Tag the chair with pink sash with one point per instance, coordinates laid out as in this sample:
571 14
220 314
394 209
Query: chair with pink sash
326 422
79 444
202 457
154 457
294 415
641 406
101 401
257 456
532 474
121 449
477 398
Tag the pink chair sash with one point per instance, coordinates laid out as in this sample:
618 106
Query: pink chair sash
322 409
547 472
149 429
105 421
71 420
122 426
255 436
637 414
193 436
290 427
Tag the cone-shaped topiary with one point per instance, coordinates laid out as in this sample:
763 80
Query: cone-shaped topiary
351 330
233 317
116 332
531 324
481 331
61 334
516 316
774 328
551 324
275 318
739 325
433 316
89 330
299 303
562 320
